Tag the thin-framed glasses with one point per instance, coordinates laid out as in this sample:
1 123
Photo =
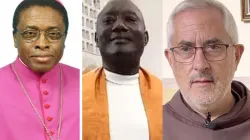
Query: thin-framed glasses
33 35
212 52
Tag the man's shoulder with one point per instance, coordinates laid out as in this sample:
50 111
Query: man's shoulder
165 106
70 70
91 74
150 75
154 83
5 74
89 79
5 69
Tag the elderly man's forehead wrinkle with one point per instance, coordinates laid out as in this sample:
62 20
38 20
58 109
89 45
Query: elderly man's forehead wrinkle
194 27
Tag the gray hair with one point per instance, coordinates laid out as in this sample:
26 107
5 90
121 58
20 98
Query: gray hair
229 22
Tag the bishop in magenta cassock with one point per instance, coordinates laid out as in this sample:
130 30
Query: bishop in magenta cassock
39 97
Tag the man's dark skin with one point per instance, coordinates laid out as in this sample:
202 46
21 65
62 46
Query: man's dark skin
121 36
40 18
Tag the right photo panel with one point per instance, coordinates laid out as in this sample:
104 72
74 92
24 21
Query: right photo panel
206 67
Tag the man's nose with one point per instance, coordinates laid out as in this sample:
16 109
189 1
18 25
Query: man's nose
120 25
42 42
200 62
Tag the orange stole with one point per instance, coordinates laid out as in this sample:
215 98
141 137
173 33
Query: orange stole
95 105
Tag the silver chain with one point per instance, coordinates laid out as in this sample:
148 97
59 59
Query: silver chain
39 116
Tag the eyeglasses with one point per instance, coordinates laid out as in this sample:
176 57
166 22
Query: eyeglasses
212 52
33 35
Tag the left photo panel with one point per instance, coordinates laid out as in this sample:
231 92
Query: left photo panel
40 69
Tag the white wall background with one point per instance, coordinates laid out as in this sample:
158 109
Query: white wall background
243 29
152 56
91 59
72 52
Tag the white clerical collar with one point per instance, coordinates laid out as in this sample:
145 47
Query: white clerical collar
22 62
121 79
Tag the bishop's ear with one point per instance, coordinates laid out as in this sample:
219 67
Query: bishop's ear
15 40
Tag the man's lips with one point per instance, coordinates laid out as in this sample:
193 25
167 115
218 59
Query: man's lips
121 38
202 81
42 58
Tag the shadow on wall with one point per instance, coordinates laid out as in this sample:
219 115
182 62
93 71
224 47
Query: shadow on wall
168 93
169 88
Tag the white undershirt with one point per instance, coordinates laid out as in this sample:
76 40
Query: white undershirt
127 116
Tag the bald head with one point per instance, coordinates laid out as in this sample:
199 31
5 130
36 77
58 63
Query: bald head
119 6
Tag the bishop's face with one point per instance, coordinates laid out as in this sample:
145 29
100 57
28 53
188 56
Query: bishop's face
40 38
